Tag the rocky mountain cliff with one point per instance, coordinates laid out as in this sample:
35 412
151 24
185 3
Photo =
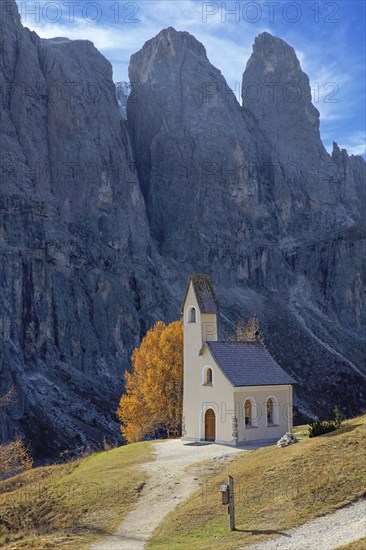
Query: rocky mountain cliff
102 220
76 277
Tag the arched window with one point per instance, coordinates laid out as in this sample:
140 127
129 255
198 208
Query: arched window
272 408
192 315
270 411
250 413
207 377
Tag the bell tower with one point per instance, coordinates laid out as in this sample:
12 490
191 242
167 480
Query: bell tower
200 315
199 310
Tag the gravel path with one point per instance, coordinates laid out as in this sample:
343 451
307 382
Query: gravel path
325 533
167 486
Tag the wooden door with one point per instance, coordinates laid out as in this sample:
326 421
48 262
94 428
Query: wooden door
210 434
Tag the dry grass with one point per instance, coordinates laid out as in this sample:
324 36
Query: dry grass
357 545
68 506
276 489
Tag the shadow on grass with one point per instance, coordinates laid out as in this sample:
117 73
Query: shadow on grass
263 532
343 430
89 529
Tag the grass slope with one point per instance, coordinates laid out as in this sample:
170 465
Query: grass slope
357 545
276 489
68 506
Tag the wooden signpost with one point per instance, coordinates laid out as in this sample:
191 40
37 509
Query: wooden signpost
228 497
231 507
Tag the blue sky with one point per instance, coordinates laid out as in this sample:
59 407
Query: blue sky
329 38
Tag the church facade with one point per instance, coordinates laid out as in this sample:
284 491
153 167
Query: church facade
234 392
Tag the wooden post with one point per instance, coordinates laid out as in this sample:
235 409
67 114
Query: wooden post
231 507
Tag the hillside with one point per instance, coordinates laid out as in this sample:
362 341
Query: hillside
70 506
103 220
276 489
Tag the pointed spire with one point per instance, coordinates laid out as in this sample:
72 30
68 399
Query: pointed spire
204 292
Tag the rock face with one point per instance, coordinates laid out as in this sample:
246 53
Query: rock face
230 190
276 94
183 113
75 273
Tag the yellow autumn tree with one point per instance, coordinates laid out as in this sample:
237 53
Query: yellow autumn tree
14 458
154 388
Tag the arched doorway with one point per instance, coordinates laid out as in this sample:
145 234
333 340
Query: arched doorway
210 429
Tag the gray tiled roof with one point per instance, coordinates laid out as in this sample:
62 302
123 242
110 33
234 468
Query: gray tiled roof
248 364
204 293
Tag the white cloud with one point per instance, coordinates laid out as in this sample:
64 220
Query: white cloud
119 43
354 143
228 48
356 149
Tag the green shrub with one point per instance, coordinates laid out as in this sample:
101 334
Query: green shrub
320 426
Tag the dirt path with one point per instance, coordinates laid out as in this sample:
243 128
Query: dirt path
167 486
326 533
